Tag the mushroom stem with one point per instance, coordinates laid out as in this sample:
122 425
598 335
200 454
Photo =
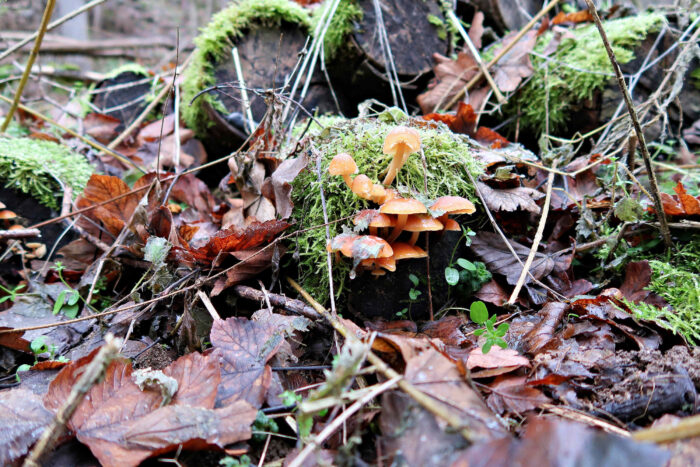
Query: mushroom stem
396 164
373 231
398 228
414 238
348 180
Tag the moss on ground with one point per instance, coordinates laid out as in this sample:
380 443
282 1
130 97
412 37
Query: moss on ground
448 158
578 68
215 42
41 168
678 282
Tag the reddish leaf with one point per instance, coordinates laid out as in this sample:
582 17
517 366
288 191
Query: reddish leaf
551 316
101 127
14 340
233 239
671 205
115 214
690 205
252 263
124 425
583 16
503 360
515 65
491 138
246 347
23 419
511 199
464 122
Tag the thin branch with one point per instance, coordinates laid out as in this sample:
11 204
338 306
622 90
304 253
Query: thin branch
48 11
51 26
666 233
537 239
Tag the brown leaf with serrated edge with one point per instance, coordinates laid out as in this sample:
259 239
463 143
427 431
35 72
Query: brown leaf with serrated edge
246 347
690 204
511 393
511 199
123 425
23 419
498 258
115 214
450 78
515 65
233 239
435 374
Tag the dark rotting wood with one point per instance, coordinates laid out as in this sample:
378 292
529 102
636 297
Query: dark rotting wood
123 96
508 15
268 57
361 67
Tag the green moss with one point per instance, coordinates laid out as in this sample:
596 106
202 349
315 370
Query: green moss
215 41
448 158
681 289
40 168
579 67
341 25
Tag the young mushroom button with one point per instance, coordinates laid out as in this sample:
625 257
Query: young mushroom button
452 205
400 143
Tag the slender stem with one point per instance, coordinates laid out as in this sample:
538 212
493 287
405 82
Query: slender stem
398 228
48 11
395 165
665 232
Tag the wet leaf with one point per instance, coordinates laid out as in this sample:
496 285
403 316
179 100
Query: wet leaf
113 215
23 418
281 183
246 347
511 199
498 258
583 16
512 394
450 77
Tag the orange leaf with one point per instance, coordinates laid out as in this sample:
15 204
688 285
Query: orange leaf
690 204
583 16
115 214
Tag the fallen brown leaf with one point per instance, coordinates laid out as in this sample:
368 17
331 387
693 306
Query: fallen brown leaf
115 214
23 418
511 199
512 394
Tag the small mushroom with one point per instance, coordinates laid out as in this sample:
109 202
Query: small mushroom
362 186
452 205
373 219
452 225
378 193
407 251
400 143
7 215
402 207
343 164
418 223
342 243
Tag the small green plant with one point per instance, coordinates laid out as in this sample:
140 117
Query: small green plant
466 277
290 398
67 300
12 294
228 461
480 315
413 295
262 426
39 346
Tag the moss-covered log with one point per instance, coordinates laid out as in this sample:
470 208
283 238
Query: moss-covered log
269 35
357 57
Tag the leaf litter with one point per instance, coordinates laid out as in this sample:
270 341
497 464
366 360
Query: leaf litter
158 255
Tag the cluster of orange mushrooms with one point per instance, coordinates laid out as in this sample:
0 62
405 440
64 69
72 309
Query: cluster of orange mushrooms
379 251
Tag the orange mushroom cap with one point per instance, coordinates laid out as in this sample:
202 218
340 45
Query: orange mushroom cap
403 206
6 214
342 243
422 223
373 218
401 137
452 225
342 164
453 205
406 251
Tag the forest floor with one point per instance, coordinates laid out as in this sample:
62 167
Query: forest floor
280 240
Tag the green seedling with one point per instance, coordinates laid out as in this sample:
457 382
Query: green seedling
413 295
67 300
228 461
480 315
39 346
12 294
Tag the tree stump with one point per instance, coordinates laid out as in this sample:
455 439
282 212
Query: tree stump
269 37
414 30
508 15
123 96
